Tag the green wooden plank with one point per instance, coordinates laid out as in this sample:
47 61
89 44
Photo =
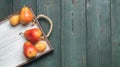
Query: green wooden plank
73 38
115 24
17 5
51 8
5 8
98 33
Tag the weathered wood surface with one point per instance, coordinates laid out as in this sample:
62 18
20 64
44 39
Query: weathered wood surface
98 33
115 29
73 33
86 32
5 8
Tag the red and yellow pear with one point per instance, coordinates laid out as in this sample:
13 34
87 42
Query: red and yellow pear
29 50
33 35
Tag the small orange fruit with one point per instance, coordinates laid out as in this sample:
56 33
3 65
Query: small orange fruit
14 20
26 15
40 46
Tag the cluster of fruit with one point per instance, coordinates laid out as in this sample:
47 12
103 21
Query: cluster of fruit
33 45
25 16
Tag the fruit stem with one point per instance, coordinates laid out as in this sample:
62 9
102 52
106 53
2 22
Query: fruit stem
21 33
42 37
33 23
24 6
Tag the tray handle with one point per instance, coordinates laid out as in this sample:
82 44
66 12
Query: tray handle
50 22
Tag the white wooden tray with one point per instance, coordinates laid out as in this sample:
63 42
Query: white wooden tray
11 43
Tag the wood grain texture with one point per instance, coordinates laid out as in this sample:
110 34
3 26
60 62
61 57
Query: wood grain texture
98 33
73 38
5 8
51 8
86 33
17 5
115 25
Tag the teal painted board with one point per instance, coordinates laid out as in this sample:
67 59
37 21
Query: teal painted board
42 8
85 32
5 8
17 5
115 25
73 33
51 8
98 33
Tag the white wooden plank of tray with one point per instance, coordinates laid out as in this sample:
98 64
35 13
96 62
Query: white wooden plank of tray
11 44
